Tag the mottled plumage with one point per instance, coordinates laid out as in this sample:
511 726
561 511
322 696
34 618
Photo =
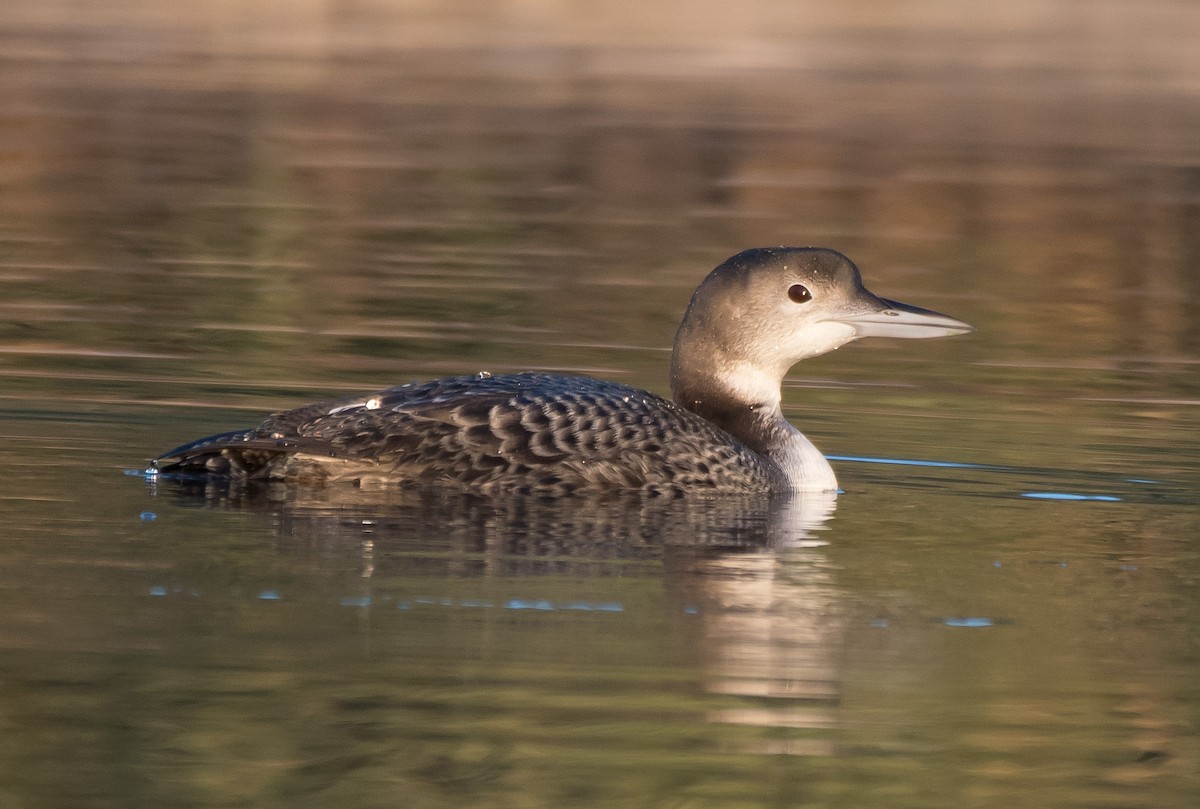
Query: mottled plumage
530 432
751 319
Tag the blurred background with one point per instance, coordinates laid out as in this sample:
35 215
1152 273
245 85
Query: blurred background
396 188
212 210
1035 153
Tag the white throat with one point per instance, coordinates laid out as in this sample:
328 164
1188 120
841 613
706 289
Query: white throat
752 384
803 464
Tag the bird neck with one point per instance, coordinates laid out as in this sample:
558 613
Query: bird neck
746 405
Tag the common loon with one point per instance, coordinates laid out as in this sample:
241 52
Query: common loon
749 321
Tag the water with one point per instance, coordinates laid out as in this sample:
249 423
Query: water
208 216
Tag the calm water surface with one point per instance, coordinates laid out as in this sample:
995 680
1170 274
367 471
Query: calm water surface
206 218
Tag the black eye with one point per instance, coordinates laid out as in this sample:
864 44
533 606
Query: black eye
799 293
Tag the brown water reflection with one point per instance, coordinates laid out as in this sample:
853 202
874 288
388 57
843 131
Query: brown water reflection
210 212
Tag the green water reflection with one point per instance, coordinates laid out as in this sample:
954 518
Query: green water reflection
210 214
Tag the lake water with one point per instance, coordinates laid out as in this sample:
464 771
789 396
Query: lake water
210 214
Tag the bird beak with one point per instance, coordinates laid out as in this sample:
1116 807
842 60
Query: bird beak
883 318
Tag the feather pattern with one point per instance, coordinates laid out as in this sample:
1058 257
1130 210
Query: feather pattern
751 319
533 432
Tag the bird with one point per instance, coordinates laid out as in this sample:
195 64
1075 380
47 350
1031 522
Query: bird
723 431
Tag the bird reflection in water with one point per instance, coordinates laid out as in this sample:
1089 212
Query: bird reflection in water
747 579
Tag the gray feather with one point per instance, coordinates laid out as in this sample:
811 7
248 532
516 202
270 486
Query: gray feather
532 432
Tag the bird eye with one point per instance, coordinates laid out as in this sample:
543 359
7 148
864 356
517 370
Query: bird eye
799 293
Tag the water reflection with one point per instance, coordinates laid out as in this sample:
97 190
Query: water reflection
746 577
233 207
292 200
769 626
612 524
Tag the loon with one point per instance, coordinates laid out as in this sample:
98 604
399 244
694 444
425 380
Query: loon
754 317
